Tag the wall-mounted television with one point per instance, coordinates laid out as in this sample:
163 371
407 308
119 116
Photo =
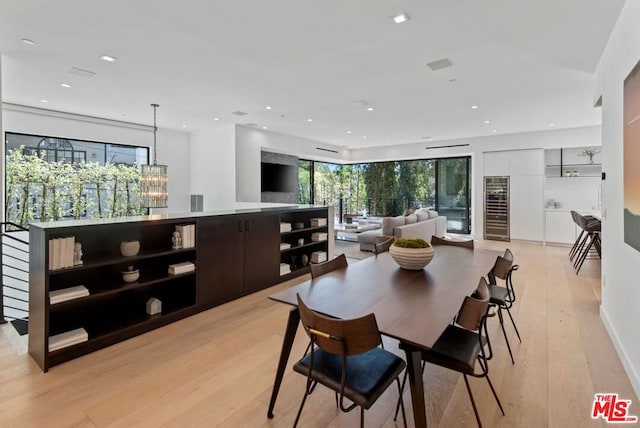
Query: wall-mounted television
279 178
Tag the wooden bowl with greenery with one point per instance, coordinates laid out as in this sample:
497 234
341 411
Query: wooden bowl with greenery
411 253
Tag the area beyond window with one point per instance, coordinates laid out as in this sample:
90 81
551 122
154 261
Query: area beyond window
391 188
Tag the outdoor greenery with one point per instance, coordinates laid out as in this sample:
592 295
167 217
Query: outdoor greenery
390 188
37 189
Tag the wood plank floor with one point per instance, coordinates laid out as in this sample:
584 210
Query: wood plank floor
216 369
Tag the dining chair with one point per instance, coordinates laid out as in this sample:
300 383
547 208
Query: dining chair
318 269
383 243
466 243
463 342
346 357
503 297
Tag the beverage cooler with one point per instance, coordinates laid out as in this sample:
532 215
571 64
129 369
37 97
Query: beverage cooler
496 208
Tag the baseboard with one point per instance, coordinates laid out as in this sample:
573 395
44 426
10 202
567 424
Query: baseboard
626 363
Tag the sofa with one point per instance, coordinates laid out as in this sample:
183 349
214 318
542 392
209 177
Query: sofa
423 223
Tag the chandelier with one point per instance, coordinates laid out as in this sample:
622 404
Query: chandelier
154 177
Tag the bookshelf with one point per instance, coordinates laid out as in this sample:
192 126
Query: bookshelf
234 252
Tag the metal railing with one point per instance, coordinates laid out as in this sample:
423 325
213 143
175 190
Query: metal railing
14 271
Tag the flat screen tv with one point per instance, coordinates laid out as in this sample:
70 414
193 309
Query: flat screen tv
279 178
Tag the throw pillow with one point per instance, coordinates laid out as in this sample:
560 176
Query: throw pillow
433 214
412 218
388 223
422 215
407 212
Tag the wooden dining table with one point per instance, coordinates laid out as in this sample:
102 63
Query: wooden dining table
413 307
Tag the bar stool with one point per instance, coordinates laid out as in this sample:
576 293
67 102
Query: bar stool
576 245
591 228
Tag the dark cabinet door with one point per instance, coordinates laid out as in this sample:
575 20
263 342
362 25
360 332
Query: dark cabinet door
261 251
220 259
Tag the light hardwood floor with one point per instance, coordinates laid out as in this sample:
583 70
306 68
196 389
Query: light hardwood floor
217 368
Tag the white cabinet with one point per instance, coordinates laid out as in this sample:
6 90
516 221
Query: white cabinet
559 227
526 197
527 221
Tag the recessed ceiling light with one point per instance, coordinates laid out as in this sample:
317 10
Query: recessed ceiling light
487 121
44 101
388 143
28 42
474 107
348 132
429 139
216 118
184 126
399 19
309 120
552 124
364 136
264 127
370 108
494 130
268 107
65 85
108 58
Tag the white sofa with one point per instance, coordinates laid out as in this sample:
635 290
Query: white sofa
423 224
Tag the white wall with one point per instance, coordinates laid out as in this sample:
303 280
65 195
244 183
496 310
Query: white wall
173 146
213 167
250 142
557 138
620 262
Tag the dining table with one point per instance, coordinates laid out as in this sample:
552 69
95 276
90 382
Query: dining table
412 306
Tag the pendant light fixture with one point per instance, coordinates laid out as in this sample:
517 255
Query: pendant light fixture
154 177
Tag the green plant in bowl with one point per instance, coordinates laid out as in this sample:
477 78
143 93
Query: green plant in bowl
411 243
411 253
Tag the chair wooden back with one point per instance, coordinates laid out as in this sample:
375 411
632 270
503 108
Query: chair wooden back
340 337
318 269
468 243
474 307
384 244
501 267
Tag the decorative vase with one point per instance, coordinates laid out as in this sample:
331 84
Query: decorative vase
130 275
411 258
129 248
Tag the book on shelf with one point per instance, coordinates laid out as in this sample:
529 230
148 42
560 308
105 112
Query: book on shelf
285 227
68 338
318 236
318 222
61 252
65 294
184 267
188 234
318 256
285 268
284 246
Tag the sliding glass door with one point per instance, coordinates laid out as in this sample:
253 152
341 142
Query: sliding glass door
452 195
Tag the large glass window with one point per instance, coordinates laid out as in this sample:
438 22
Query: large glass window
390 188
52 178
453 199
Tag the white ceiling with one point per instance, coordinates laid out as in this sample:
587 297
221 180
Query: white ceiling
526 64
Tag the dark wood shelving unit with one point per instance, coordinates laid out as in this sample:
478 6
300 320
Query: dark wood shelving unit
293 255
236 253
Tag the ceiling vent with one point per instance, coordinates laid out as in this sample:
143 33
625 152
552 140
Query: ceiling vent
81 72
446 147
439 64
239 113
326 150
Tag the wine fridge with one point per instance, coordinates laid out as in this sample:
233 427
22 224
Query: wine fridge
496 208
